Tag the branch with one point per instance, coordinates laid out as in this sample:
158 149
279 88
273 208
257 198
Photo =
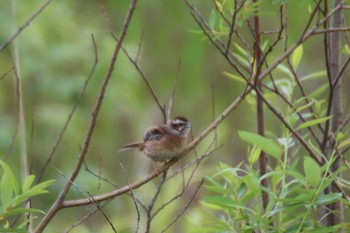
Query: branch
26 24
59 201
134 61
303 37
198 139
185 208
54 148
6 73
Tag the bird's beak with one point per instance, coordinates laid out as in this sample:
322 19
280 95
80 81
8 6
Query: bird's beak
189 125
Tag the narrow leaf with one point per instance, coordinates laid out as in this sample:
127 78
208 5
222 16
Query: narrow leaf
255 154
285 69
224 202
296 56
267 145
8 185
312 171
314 75
316 93
22 211
328 198
27 183
13 230
313 122
212 19
234 77
344 143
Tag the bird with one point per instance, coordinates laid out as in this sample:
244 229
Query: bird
164 142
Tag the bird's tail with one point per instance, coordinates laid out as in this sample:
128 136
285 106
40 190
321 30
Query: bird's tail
132 145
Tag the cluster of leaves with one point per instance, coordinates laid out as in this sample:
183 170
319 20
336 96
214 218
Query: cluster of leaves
296 182
13 199
296 198
297 201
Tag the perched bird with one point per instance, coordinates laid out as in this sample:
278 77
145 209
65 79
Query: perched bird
164 142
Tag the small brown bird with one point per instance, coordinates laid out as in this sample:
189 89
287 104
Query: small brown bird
164 142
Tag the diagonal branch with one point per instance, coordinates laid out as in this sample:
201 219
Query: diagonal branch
58 203
198 139
54 148
26 24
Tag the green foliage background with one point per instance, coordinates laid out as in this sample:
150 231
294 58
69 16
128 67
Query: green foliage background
55 58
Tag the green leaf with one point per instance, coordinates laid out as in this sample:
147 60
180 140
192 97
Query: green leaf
296 56
224 202
212 19
285 69
254 154
25 196
324 230
22 211
27 183
234 77
8 186
328 198
241 50
344 143
313 122
34 191
267 145
43 185
218 5
346 49
314 75
316 93
305 106
13 230
312 171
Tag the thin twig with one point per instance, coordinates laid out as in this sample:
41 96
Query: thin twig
133 198
83 219
153 201
65 126
26 24
170 103
88 195
342 29
185 208
6 73
139 47
232 26
134 62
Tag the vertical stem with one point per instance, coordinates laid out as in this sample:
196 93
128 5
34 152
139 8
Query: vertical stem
21 120
259 103
24 161
336 216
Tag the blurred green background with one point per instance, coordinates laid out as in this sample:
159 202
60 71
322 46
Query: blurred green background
55 57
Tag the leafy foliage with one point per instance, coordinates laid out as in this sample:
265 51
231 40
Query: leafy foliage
13 198
295 199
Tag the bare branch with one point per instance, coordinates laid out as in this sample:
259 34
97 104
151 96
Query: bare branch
88 195
170 103
59 201
133 198
322 31
134 62
83 219
26 24
6 73
166 166
77 101
185 208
